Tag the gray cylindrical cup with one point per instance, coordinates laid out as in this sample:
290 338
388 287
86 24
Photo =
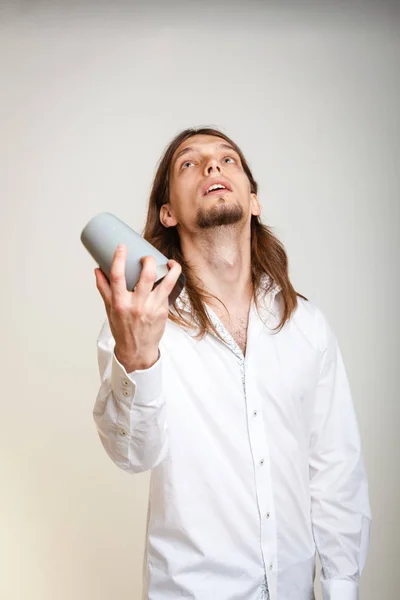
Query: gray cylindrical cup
101 236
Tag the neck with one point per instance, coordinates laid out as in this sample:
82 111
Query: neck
221 258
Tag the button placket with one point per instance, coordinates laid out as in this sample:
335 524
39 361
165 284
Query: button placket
260 449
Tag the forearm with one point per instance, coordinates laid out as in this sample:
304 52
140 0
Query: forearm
130 412
336 589
341 521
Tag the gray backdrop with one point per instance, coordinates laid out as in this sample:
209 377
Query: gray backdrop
90 95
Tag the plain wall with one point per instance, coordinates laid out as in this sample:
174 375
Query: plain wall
90 95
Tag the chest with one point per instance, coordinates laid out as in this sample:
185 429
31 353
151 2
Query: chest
237 325
207 401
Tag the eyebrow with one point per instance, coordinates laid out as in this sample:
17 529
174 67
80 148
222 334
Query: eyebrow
223 145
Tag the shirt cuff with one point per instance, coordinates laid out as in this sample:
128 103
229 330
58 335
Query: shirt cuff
339 589
143 385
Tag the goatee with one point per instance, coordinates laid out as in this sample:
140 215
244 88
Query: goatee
218 215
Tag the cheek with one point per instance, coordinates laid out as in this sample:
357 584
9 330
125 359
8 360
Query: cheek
243 189
239 177
179 191
189 190
183 203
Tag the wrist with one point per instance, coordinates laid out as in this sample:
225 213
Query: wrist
136 362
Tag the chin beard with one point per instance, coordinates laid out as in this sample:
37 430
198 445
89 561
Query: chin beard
218 215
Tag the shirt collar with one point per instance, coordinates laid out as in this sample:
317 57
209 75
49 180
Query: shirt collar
183 302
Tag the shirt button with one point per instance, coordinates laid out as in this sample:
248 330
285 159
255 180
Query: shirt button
255 413
270 566
126 392
125 382
122 432
267 515
261 462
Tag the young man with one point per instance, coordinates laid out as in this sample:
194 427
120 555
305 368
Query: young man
235 397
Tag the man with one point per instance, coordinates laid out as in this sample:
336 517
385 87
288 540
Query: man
235 397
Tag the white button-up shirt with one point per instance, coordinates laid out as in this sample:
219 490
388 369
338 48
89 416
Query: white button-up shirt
256 460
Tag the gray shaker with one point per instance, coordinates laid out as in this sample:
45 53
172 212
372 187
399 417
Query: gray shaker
101 236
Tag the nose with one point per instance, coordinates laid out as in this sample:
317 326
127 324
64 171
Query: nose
212 166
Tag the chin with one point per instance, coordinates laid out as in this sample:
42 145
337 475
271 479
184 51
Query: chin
219 215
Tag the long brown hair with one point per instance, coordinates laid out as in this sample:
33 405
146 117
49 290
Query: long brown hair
267 253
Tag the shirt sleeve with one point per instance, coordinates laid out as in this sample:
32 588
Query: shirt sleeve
130 410
340 509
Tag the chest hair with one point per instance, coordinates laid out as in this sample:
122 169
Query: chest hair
237 325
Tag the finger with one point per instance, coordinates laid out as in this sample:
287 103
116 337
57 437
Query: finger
103 286
162 291
147 277
117 274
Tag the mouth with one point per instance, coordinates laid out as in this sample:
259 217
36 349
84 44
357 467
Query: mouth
215 188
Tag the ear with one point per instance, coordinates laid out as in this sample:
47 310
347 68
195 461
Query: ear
167 217
255 205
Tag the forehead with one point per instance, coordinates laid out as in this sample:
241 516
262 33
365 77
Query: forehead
201 143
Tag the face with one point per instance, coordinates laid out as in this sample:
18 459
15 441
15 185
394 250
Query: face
208 186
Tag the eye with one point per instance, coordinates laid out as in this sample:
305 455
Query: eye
228 159
187 164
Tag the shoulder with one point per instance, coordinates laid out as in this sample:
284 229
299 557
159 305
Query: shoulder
310 321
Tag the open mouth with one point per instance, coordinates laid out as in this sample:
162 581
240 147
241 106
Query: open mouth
215 189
